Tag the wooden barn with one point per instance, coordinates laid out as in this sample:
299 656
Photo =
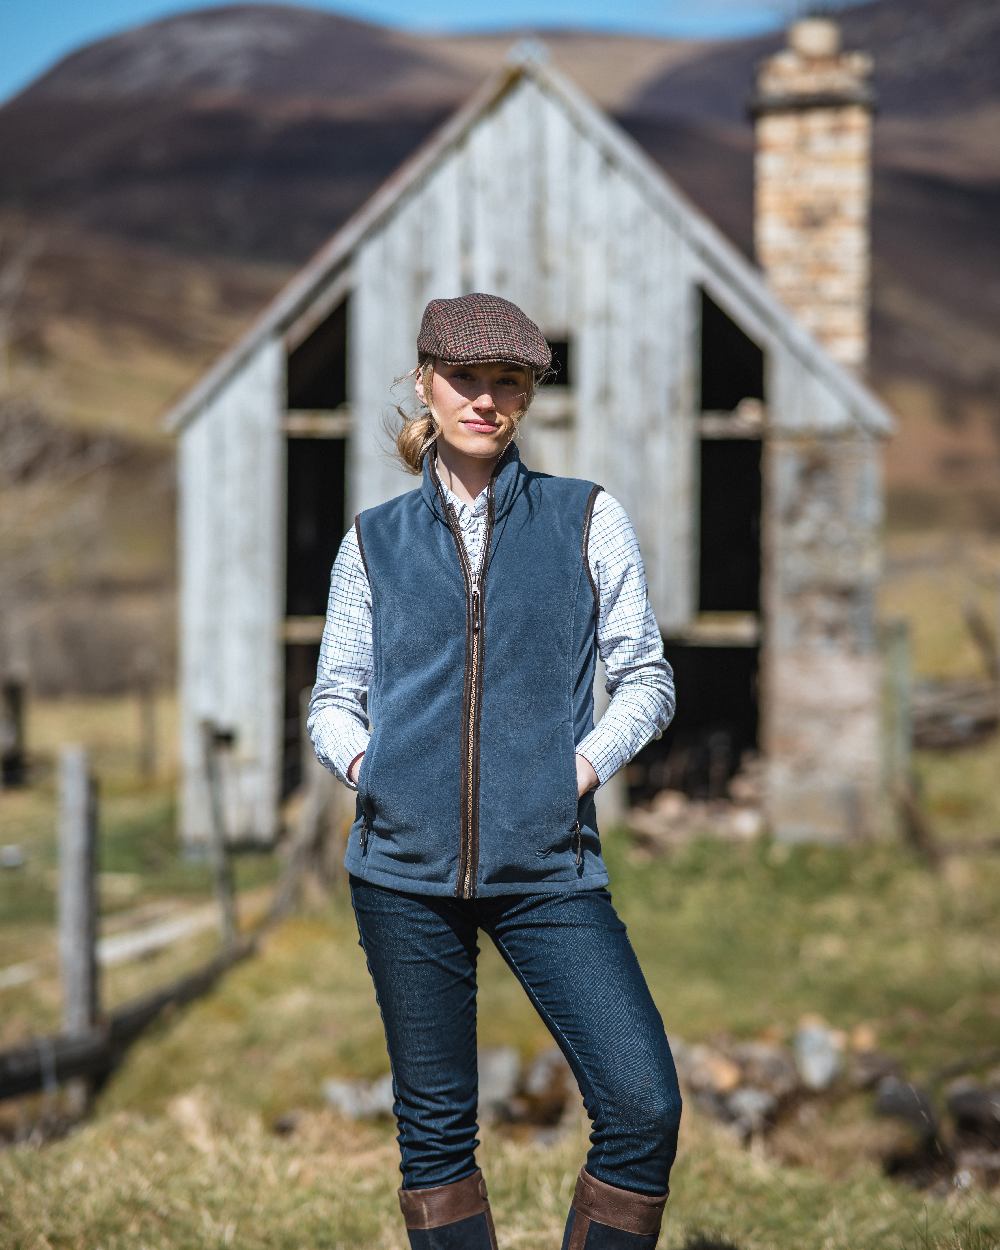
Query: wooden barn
747 455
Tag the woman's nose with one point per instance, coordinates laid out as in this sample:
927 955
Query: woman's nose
485 400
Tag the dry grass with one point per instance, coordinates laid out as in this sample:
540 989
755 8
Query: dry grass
929 577
183 1151
735 940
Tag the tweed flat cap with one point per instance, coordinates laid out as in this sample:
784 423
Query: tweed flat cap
482 327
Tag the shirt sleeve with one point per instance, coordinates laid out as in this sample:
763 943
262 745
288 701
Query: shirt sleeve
639 680
337 719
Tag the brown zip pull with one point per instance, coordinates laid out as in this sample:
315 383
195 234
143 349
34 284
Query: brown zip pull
476 619
578 837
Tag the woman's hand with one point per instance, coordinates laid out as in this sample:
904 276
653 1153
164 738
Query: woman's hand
586 778
352 772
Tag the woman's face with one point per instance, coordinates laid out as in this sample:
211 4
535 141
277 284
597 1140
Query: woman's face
475 404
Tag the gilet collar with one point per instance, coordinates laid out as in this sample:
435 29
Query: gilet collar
507 479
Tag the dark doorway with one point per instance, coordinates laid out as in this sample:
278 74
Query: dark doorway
729 561
715 723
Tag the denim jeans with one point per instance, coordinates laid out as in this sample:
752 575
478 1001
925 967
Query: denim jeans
572 955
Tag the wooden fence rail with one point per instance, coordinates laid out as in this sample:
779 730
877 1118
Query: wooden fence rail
94 1053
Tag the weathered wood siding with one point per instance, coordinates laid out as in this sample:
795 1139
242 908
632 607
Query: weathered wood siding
529 206
231 535
538 197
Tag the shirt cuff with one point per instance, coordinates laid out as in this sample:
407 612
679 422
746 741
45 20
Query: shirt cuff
352 746
605 763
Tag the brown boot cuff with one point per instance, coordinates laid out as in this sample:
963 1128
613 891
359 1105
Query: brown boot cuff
623 1209
444 1204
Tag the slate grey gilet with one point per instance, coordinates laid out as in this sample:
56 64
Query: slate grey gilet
480 691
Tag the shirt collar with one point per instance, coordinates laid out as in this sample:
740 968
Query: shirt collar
509 477
462 506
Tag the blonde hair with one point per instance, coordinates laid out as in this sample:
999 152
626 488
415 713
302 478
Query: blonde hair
418 432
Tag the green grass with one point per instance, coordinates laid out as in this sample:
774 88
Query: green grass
734 940
140 860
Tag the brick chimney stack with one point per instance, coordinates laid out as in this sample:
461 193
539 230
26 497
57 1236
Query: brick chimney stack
813 114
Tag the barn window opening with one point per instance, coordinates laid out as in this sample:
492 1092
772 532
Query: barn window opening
317 367
316 520
561 362
316 524
715 729
729 555
317 427
732 365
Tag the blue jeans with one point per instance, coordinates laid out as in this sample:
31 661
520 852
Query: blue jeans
572 954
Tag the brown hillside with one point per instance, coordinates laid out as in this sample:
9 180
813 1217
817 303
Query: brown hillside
192 162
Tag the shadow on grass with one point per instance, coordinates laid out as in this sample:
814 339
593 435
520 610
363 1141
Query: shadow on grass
707 1241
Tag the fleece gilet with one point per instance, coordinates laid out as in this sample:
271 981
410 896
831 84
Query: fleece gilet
423 766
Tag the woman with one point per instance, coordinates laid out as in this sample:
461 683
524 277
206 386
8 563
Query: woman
464 620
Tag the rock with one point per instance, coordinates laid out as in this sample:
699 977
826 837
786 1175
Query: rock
669 804
548 1076
907 1102
818 1051
360 1100
863 1037
750 1109
745 823
977 1167
499 1073
766 1066
547 1088
12 856
709 1071
976 1112
286 1123
868 1067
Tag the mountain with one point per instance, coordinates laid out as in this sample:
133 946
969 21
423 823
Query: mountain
933 58
226 144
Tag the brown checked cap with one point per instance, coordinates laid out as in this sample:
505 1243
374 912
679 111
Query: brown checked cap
482 327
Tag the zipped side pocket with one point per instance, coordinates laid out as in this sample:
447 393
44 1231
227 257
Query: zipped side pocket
366 829
578 842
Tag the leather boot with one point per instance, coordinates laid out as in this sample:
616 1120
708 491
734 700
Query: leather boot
605 1217
449 1217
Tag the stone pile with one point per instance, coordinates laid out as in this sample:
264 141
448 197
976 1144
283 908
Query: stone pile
751 1086
542 1093
671 819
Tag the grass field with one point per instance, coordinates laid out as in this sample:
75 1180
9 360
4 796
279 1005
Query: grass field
736 941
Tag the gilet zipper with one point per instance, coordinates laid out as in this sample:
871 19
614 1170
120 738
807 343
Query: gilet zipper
472 695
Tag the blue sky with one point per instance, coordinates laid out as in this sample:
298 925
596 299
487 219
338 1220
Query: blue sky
34 34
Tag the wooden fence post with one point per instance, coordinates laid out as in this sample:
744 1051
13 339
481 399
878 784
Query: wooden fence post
146 694
78 903
12 758
214 739
900 689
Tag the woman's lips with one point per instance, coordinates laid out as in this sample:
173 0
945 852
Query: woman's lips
483 427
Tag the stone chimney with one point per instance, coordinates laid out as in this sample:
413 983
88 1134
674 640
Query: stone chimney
813 109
